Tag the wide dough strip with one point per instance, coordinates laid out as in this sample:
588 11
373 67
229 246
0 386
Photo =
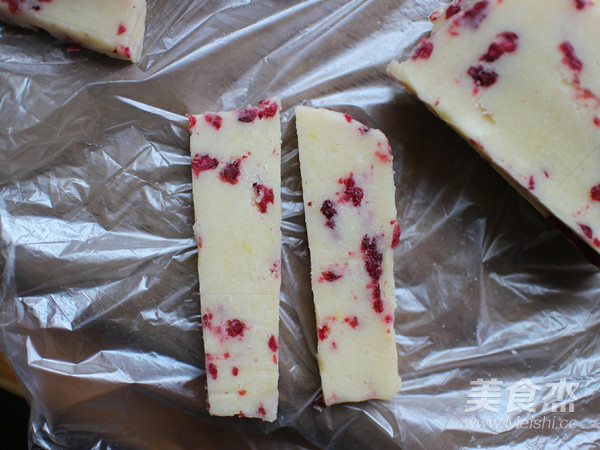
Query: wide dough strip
113 27
521 82
236 158
348 190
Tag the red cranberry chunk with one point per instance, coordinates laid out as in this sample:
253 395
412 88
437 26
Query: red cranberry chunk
595 193
452 10
324 332
235 371
482 77
231 172
352 321
121 29
14 6
587 231
328 210
212 370
126 52
396 236
264 196
201 163
476 14
348 118
207 320
423 50
214 120
504 43
372 257
330 276
352 193
570 59
192 120
267 109
247 115
273 343
235 328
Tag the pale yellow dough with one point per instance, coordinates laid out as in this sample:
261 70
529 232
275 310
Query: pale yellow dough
113 27
350 166
237 205
538 123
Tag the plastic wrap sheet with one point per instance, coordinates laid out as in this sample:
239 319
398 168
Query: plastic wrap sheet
497 314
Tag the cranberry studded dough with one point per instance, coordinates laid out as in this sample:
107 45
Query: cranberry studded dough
113 27
348 189
236 158
520 79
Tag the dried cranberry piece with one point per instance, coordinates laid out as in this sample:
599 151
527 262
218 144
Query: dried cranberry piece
273 343
352 321
267 109
330 276
570 59
372 257
328 210
192 120
200 163
264 196
587 231
247 115
595 193
504 43
235 328
324 332
452 10
476 14
482 77
231 172
212 370
352 193
213 120
396 236
423 50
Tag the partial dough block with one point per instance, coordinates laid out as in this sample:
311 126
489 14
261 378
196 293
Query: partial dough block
236 159
348 189
113 27
520 79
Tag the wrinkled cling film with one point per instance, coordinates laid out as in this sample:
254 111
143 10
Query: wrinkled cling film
497 314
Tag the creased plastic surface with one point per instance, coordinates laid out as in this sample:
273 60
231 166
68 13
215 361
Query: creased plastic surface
99 306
